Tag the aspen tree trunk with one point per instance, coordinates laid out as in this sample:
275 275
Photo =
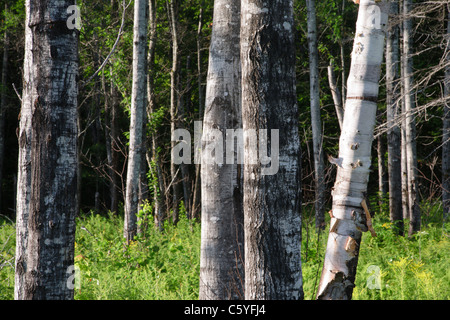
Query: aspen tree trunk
404 164
48 140
446 130
336 94
24 162
348 221
394 134
222 261
3 105
172 7
410 129
138 99
316 122
153 158
272 203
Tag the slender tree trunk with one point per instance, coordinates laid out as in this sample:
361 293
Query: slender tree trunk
336 95
394 134
222 262
50 102
316 122
24 163
382 170
446 129
196 197
272 195
3 106
172 6
153 160
138 99
348 221
410 130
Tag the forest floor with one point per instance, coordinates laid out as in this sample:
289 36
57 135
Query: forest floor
165 266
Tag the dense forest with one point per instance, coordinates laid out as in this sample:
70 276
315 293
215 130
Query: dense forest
252 130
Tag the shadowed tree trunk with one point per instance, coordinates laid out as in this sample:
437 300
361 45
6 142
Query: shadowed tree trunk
272 203
394 134
316 122
47 186
348 218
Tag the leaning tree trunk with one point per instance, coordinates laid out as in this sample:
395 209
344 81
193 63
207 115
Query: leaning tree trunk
394 134
138 99
272 203
410 130
222 261
446 129
47 211
348 218
316 122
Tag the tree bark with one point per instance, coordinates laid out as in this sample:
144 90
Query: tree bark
138 99
348 218
446 129
336 95
222 256
410 130
394 134
316 122
272 198
50 103
172 7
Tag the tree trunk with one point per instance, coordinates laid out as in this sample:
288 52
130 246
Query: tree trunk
24 163
348 221
446 130
172 7
336 95
394 134
50 103
153 159
3 106
410 130
272 195
222 261
316 122
138 99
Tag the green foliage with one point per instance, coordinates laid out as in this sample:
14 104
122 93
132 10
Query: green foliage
154 266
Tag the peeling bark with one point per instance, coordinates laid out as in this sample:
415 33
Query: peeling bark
341 257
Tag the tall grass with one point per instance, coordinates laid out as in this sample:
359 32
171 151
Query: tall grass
165 265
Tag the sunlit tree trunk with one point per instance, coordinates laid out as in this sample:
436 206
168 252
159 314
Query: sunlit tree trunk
138 105
316 122
272 203
410 129
47 187
348 221
394 135
222 250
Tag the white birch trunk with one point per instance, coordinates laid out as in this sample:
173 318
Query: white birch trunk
138 100
410 129
348 221
222 256
316 122
48 140
272 202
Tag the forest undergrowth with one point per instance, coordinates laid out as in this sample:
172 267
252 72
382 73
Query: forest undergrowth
165 265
